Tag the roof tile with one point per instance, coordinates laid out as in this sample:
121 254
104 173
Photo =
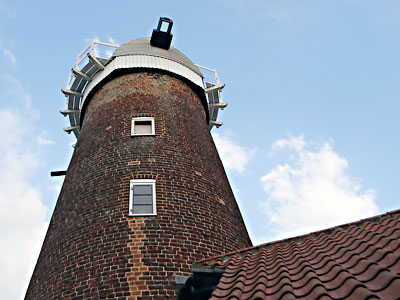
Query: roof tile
360 260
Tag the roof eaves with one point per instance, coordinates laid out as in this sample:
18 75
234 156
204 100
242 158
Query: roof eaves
297 239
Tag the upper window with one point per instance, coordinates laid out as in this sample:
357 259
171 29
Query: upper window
142 199
143 126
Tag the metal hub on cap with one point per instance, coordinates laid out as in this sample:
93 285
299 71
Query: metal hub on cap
162 39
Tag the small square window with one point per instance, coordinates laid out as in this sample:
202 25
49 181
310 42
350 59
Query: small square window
142 197
142 126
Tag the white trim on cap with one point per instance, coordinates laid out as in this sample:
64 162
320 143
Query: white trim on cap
143 61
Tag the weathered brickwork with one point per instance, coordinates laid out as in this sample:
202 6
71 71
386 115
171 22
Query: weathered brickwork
137 284
93 249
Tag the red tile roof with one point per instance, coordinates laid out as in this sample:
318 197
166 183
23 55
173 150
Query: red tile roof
360 260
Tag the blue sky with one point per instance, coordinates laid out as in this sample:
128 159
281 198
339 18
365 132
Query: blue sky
310 136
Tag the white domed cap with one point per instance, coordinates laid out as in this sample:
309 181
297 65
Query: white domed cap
142 47
139 54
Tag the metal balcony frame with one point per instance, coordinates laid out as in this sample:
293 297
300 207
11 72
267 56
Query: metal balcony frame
78 79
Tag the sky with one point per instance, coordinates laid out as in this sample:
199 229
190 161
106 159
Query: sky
311 133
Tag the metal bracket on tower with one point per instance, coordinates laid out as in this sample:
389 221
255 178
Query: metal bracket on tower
78 73
71 128
221 105
71 93
216 123
65 112
58 173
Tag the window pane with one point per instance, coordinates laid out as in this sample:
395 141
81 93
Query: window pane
142 189
143 209
142 127
142 199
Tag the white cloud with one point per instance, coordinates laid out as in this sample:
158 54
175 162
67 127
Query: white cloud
44 141
43 138
233 156
112 41
56 184
313 191
259 240
89 40
101 50
295 143
22 213
18 96
9 55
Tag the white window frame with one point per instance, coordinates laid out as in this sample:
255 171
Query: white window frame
142 119
151 182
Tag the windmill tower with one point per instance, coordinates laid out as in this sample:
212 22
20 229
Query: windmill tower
145 194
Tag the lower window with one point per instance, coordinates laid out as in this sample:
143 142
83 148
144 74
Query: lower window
142 197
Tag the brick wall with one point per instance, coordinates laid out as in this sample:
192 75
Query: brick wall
93 249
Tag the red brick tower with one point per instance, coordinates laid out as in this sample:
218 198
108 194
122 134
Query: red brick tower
145 194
